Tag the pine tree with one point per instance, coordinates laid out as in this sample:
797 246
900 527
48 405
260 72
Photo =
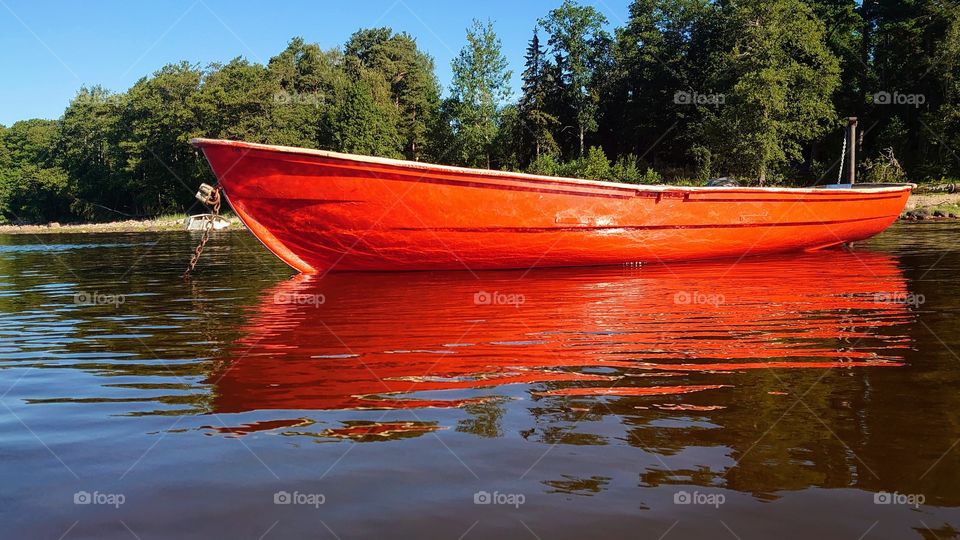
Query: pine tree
535 120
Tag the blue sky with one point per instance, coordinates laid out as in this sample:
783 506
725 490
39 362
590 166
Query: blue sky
51 49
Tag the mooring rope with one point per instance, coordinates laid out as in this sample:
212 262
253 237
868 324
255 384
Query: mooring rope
843 154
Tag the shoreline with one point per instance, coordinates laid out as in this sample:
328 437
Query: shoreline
126 226
920 207
928 206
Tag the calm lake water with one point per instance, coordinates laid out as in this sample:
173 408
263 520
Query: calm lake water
791 397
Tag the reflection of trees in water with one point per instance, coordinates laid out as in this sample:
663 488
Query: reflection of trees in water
770 443
577 485
160 330
484 418
943 532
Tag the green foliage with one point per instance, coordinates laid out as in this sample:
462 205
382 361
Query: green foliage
236 101
365 123
703 161
30 141
651 176
481 83
87 148
31 194
664 48
5 159
544 164
625 170
506 152
156 127
594 166
536 121
309 82
779 77
32 187
409 75
579 44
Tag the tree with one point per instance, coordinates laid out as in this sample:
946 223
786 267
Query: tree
310 81
579 42
409 73
662 53
535 121
32 187
87 149
508 144
915 52
5 159
779 78
35 194
481 82
366 122
236 101
160 167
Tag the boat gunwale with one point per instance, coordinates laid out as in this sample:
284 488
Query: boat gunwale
200 142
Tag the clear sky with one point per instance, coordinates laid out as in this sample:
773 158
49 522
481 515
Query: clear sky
52 48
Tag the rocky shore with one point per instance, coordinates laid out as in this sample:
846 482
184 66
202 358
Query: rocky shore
932 206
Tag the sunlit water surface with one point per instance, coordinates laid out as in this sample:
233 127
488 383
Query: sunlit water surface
790 397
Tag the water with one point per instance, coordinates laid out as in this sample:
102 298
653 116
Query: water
802 396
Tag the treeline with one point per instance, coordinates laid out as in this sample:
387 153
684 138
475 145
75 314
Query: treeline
685 90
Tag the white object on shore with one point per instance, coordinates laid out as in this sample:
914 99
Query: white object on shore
199 221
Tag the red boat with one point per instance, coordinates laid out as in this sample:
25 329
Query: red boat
618 332
323 211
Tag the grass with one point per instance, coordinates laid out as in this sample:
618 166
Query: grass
946 209
182 216
172 217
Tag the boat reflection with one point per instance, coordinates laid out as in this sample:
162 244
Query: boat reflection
424 340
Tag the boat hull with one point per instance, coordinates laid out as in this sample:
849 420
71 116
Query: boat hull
321 211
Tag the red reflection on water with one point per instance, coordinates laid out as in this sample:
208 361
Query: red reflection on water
631 390
378 341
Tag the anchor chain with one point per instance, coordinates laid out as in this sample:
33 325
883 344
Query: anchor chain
209 196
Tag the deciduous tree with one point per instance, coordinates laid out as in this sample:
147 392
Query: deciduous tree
481 83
